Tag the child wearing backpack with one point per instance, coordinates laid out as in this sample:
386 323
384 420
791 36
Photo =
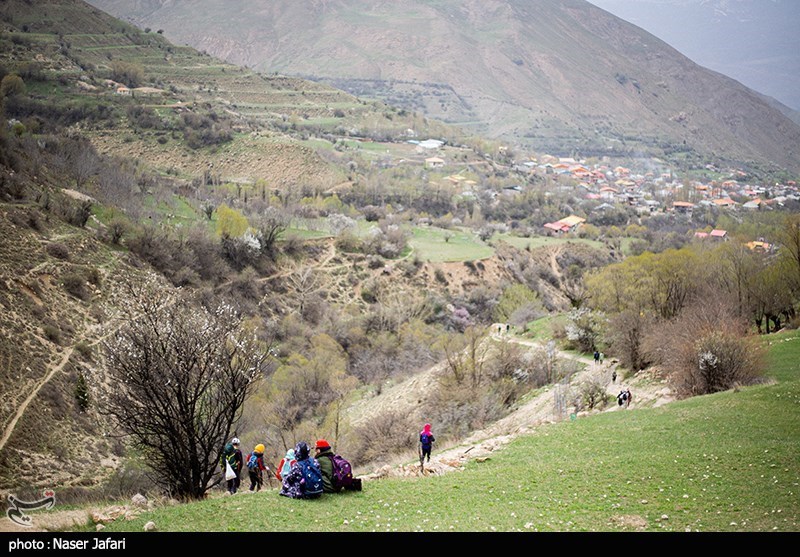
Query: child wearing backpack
324 455
426 440
304 481
285 465
256 467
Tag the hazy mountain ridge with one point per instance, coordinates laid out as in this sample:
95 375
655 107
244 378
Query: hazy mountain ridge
560 76
752 42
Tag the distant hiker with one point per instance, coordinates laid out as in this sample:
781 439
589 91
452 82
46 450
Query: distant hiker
508 327
601 357
596 357
228 464
426 440
628 397
256 467
499 329
239 460
304 481
624 397
614 376
285 465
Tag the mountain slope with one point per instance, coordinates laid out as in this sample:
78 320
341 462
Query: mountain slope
554 75
755 43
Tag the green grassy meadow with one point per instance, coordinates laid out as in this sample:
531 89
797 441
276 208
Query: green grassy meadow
432 244
727 462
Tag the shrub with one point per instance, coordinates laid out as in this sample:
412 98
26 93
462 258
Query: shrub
52 333
58 250
707 348
592 394
375 262
395 430
82 393
75 284
85 350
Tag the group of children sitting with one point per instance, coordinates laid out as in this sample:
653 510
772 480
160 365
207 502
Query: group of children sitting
301 475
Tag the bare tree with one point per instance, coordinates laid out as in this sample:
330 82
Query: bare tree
270 226
789 239
466 356
182 375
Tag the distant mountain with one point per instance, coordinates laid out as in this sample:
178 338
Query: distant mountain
754 42
556 75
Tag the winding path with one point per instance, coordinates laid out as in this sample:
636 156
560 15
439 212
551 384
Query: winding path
22 407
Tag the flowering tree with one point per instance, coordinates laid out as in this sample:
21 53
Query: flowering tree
182 375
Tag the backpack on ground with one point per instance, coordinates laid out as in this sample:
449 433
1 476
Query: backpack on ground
312 485
342 472
252 462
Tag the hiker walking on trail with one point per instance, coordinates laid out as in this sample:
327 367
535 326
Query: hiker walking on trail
596 357
624 398
239 462
614 376
304 481
231 463
426 440
256 467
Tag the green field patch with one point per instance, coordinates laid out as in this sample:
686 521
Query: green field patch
535 242
441 245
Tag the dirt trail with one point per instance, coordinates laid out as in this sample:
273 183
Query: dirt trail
648 391
22 407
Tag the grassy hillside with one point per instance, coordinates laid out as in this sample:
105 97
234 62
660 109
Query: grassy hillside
186 113
721 463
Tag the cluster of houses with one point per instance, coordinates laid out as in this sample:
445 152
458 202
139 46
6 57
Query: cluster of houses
660 190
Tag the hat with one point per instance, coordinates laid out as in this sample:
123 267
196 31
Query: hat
259 448
322 444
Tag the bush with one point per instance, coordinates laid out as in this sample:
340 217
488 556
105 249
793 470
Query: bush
85 350
592 394
52 333
82 393
395 430
75 284
58 250
707 348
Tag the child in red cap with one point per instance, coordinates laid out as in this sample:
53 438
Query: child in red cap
323 448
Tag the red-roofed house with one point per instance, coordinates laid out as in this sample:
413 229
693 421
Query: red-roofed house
567 224
724 202
721 234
